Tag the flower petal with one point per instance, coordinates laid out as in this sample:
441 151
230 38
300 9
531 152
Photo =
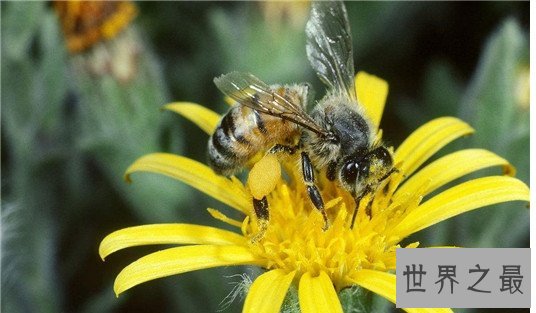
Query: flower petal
427 140
384 284
268 291
181 260
205 118
372 92
195 174
167 234
378 282
224 218
317 294
468 196
449 168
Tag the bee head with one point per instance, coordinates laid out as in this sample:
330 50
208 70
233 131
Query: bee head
363 170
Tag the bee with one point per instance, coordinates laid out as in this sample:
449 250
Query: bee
246 130
336 137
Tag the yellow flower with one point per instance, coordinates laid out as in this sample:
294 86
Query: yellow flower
294 248
101 38
86 23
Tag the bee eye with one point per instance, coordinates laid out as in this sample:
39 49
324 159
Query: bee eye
349 172
381 154
364 169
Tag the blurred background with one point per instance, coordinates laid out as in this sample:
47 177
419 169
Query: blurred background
81 90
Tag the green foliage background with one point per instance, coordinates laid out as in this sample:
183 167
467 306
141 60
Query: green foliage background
68 135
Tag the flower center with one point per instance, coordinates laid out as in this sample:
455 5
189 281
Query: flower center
295 240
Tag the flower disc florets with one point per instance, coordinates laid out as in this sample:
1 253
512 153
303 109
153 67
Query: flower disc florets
295 240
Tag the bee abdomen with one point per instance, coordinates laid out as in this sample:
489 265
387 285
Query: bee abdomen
228 149
221 157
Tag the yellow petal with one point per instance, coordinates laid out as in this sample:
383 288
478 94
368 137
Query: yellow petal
427 140
181 260
206 119
378 282
371 92
167 234
195 174
224 218
468 196
449 168
384 284
268 291
317 294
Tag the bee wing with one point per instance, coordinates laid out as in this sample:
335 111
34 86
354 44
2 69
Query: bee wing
250 91
329 46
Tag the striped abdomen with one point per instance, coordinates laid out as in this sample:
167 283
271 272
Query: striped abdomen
242 133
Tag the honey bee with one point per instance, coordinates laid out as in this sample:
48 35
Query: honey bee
246 130
336 135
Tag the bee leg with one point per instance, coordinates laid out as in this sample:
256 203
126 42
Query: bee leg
384 177
282 148
312 190
367 190
357 201
263 215
331 172
386 187
262 179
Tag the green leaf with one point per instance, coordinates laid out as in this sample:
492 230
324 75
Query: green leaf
356 300
490 103
493 107
260 46
291 303
52 69
103 301
19 23
440 96
121 120
442 89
